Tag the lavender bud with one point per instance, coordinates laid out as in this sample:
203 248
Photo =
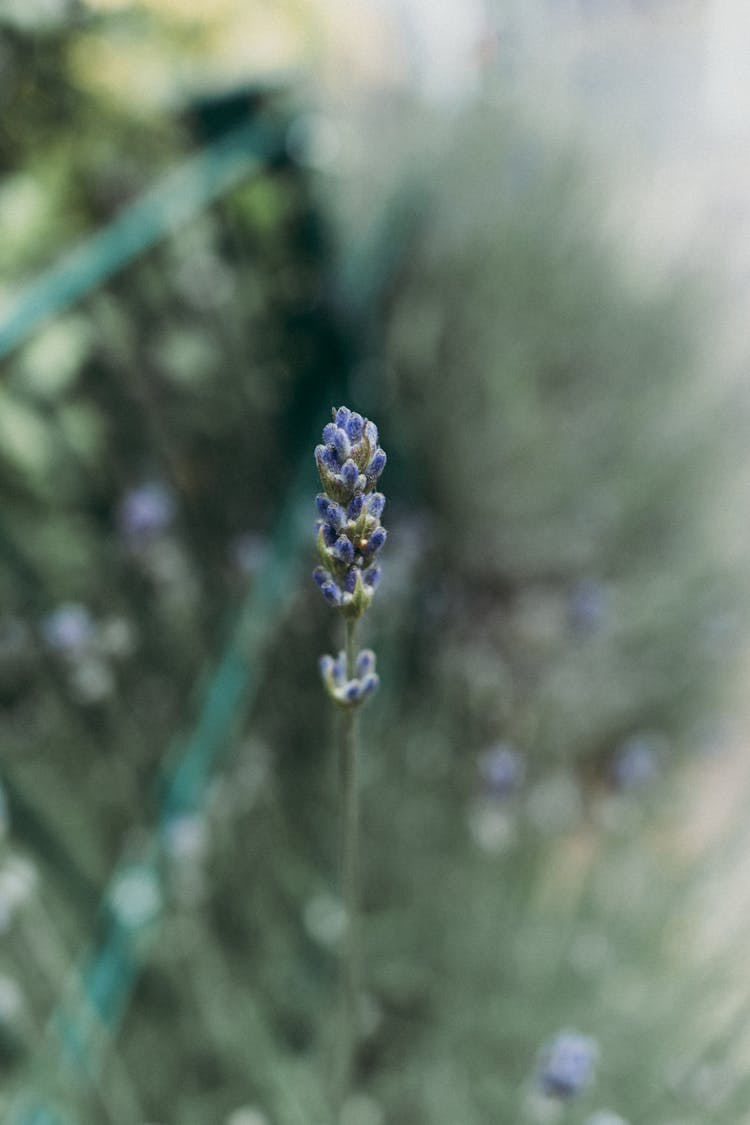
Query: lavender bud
375 504
371 577
352 691
339 669
377 464
369 685
371 433
355 506
376 540
342 444
342 550
331 593
349 474
335 516
321 576
365 662
327 665
341 416
322 503
328 457
350 580
329 535
329 433
354 426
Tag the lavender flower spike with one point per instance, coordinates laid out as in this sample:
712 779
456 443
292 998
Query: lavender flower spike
350 533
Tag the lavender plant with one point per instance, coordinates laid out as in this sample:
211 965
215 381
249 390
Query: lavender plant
350 536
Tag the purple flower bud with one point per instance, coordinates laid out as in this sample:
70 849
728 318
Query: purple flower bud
349 474
355 506
354 426
377 539
326 664
375 504
365 662
369 685
321 576
343 550
371 433
342 416
566 1065
329 534
335 515
326 456
352 692
371 577
350 581
339 669
342 444
322 503
329 433
331 593
377 464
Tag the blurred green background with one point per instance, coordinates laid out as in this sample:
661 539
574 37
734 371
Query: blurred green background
215 225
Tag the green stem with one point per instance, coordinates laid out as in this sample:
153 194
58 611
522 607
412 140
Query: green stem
350 969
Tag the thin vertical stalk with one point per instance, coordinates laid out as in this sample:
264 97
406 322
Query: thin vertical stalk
349 834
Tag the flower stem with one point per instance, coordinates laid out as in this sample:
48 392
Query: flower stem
350 968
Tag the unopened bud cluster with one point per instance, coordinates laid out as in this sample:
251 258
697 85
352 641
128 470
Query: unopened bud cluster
346 691
350 534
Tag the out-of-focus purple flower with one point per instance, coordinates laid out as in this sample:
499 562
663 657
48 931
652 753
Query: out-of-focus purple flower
68 629
567 1064
502 770
588 606
637 762
371 576
248 552
145 512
